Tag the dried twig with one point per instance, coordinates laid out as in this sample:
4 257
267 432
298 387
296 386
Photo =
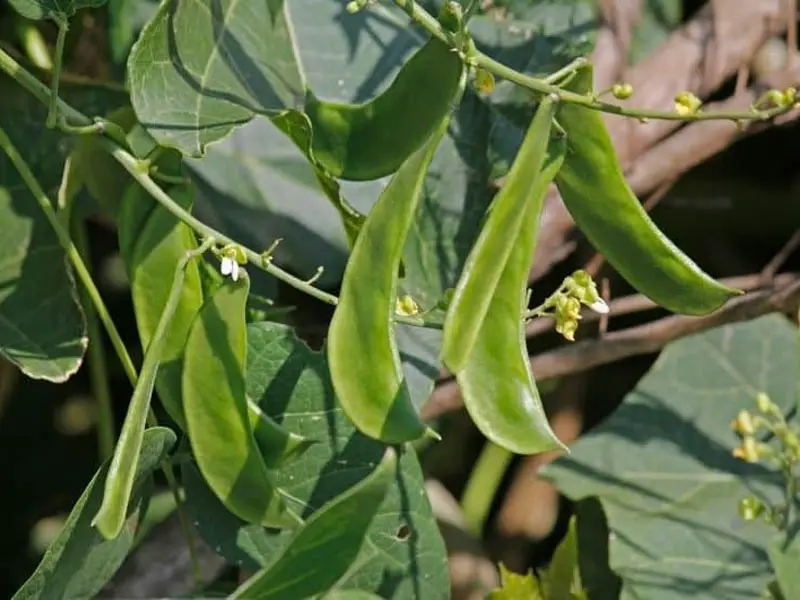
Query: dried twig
699 57
783 295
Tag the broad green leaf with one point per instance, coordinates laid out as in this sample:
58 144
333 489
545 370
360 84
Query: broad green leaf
327 544
663 470
80 561
41 326
403 554
784 556
203 67
57 10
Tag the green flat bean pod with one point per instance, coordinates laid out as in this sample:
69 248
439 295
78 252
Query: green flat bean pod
606 210
368 141
362 351
152 241
110 518
496 382
484 265
217 413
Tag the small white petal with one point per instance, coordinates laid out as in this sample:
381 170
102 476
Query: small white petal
226 268
599 306
235 272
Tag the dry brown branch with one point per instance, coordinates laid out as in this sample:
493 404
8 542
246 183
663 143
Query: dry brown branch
700 141
782 295
711 47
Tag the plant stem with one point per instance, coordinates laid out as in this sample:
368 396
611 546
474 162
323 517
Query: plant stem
96 357
543 86
482 485
52 110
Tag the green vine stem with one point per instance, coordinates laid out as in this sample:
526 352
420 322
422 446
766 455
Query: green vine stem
55 77
96 357
482 485
544 86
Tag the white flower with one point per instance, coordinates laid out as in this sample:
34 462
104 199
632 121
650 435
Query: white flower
599 306
229 267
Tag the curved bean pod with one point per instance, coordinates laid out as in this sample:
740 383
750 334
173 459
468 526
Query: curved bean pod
362 351
498 237
605 209
217 413
368 141
496 382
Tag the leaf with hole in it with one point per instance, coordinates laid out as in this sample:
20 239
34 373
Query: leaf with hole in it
662 466
41 326
403 554
57 10
203 67
80 561
327 544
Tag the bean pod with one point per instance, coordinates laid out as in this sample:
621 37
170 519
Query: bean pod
218 417
498 237
606 210
496 381
362 351
368 141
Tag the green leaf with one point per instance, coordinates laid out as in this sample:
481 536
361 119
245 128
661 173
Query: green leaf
562 576
403 555
202 67
324 548
784 556
663 470
517 587
41 326
57 10
80 561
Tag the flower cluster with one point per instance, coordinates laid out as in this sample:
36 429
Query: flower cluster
565 303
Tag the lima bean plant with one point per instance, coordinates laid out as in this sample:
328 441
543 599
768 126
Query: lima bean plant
296 465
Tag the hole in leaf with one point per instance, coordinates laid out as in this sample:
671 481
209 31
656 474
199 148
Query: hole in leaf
403 533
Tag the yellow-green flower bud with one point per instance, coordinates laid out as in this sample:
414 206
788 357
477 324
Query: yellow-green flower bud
622 91
686 103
